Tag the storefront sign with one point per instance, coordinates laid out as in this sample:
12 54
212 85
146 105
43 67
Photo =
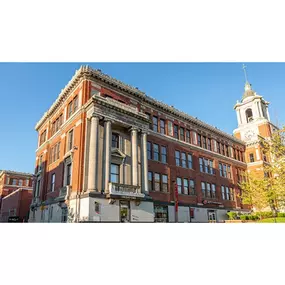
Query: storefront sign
13 219
205 202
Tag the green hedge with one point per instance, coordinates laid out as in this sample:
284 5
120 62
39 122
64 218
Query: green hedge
232 215
281 215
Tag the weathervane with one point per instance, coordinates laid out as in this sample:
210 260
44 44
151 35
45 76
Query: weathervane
244 69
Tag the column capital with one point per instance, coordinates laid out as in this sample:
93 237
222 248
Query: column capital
106 120
134 129
94 115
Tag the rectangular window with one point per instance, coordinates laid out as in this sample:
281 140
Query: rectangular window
69 109
115 140
150 181
185 186
163 154
162 126
194 134
170 128
183 159
70 140
149 118
43 137
52 182
14 181
199 140
223 192
75 104
229 172
215 145
160 214
227 150
221 169
164 183
251 157
222 149
208 190
224 170
115 173
204 142
156 152
176 131
149 151
232 194
179 185
58 151
187 136
203 187
27 182
209 144
192 187
206 165
7 180
155 124
182 134
213 195
190 161
68 174
177 158
218 147
211 167
227 193
157 182
201 164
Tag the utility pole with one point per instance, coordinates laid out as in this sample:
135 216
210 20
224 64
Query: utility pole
176 201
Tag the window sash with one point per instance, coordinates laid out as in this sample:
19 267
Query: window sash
170 128
179 185
187 136
191 187
176 131
163 154
149 150
185 186
203 188
182 134
155 152
157 182
164 183
177 158
155 123
183 160
150 181
162 126
190 161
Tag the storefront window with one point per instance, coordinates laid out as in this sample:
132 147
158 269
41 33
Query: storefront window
161 214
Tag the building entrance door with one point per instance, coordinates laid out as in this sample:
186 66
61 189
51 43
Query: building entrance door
124 211
212 216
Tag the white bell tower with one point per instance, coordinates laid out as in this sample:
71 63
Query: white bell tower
252 112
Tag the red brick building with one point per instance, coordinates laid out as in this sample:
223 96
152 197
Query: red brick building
10 181
17 205
108 152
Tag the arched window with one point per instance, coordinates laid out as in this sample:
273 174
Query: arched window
249 116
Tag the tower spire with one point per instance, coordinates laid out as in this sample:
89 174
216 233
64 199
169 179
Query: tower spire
244 70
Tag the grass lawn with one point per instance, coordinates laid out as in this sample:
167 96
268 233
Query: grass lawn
271 220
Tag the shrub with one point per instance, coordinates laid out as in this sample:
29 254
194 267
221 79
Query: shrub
243 217
264 215
281 215
232 215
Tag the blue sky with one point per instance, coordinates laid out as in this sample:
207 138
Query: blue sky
204 90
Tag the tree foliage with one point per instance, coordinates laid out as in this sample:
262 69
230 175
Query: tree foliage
268 190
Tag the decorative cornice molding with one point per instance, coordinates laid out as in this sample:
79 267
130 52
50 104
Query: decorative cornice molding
86 72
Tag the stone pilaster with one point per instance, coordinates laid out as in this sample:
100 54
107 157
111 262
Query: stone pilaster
134 140
144 162
107 160
93 154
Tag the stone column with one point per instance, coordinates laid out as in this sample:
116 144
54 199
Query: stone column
144 162
267 112
134 136
93 154
107 160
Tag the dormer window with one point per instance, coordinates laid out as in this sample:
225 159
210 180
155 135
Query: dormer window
115 140
249 116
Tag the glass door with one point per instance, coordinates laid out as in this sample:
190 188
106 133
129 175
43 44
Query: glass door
212 216
124 211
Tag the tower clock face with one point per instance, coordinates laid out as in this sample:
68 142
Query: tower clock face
249 135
